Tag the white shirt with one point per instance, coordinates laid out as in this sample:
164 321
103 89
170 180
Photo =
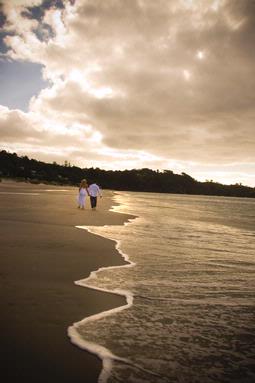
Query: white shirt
94 190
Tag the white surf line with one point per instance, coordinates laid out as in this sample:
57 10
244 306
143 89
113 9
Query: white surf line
103 353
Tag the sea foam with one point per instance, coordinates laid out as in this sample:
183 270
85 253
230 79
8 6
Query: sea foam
103 353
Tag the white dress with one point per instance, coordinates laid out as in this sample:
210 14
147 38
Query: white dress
81 197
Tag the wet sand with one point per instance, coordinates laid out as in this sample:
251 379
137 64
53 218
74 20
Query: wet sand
42 254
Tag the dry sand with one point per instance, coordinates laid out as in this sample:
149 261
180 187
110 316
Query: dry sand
42 254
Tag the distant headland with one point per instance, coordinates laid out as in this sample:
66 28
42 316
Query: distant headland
22 168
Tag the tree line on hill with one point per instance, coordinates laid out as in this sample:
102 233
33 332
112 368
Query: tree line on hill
146 180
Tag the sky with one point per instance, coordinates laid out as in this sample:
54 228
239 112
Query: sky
116 84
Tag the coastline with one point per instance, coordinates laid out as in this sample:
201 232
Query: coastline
104 354
43 254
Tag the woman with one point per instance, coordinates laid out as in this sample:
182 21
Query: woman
83 192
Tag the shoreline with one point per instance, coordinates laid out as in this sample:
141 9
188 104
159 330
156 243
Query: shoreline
104 354
44 254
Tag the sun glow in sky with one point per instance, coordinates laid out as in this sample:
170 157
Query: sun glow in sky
131 84
200 55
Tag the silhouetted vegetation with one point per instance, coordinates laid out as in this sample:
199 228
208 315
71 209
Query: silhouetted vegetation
30 170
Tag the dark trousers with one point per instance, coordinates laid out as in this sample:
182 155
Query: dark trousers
93 201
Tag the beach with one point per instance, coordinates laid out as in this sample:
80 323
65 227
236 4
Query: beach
190 296
42 255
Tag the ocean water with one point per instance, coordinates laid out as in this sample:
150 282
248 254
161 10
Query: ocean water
190 288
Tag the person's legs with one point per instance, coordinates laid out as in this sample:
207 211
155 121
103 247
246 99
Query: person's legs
82 202
93 202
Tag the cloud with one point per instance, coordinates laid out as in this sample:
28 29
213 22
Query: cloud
13 124
132 72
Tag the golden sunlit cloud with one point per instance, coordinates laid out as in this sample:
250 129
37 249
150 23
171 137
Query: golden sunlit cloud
103 92
81 78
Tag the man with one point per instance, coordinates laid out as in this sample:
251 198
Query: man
94 192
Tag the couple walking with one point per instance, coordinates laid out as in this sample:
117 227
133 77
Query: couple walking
92 190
